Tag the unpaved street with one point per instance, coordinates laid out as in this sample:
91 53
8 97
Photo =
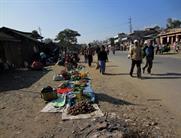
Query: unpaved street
116 93
163 86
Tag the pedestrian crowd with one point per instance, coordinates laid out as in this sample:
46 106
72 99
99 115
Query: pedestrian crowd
137 53
102 53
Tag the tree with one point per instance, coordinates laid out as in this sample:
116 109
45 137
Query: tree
36 35
111 41
67 38
157 27
173 23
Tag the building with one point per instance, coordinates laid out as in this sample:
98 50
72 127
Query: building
18 47
169 36
142 35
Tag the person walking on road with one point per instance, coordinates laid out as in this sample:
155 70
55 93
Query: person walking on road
149 52
102 57
113 50
97 52
85 55
90 55
136 57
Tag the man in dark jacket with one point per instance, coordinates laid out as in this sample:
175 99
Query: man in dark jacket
102 57
149 52
98 49
90 55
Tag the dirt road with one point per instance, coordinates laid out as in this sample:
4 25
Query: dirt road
21 104
162 86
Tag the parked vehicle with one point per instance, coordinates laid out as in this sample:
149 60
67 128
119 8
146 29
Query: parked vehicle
165 49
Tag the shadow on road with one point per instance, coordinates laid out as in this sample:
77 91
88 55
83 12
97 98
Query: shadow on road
157 62
107 98
164 76
114 74
112 66
19 79
168 74
160 78
167 53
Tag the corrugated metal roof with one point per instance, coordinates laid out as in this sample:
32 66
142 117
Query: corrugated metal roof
24 34
6 37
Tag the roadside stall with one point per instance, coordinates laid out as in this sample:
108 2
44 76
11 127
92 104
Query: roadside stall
74 96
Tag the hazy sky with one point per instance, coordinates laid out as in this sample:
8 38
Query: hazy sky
93 19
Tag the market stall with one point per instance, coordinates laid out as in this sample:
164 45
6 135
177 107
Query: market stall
74 96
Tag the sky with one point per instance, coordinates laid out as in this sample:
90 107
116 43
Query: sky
93 19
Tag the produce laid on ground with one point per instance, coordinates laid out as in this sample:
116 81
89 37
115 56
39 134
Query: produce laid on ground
74 87
82 107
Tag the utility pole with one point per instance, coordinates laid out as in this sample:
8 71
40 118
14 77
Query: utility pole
130 25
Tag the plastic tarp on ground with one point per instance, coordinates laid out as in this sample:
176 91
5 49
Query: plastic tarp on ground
96 113
56 105
50 108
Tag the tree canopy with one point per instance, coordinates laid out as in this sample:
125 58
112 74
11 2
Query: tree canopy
171 23
36 35
67 37
112 41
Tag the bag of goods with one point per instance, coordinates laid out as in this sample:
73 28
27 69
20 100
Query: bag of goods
83 107
48 94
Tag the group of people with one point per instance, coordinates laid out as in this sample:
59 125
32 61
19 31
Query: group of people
102 56
176 47
88 54
137 53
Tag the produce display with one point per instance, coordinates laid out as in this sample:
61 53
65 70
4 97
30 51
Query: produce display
75 78
82 107
63 85
75 86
